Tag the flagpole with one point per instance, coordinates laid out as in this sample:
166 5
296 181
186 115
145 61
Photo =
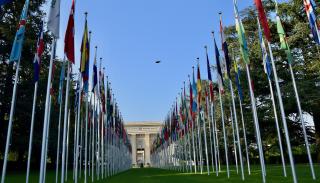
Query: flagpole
192 131
256 123
237 128
302 122
47 137
86 126
234 139
59 126
214 134
224 133
284 121
31 130
13 101
67 155
65 123
43 151
78 128
210 133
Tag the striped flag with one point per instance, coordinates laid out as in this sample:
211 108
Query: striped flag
84 65
263 19
241 36
265 56
37 58
19 38
309 6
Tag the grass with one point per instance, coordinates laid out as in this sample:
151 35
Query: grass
152 175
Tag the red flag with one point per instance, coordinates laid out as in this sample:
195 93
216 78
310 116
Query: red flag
263 19
69 37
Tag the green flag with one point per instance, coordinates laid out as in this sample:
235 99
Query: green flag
283 40
241 36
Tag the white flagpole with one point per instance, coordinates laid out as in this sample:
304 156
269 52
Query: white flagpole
78 129
31 129
210 132
245 136
278 128
86 140
74 145
234 140
13 101
224 134
214 134
256 123
237 128
93 139
59 126
302 122
67 155
46 115
47 138
283 115
65 123
205 141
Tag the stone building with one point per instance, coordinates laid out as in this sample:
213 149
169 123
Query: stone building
142 135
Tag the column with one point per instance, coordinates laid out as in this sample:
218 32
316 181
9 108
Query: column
147 149
133 140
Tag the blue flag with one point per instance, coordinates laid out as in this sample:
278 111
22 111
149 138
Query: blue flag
18 40
208 66
2 2
265 56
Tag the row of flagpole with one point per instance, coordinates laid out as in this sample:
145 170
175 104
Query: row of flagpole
187 119
109 146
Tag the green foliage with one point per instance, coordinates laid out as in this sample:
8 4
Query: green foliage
9 18
306 68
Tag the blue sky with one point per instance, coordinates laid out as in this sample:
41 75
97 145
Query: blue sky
132 35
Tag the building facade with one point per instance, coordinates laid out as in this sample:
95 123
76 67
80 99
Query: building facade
142 135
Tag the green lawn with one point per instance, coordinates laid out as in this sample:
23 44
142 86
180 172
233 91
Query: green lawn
151 175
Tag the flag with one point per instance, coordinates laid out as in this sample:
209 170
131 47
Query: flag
265 56
195 94
102 92
220 76
2 2
263 19
208 66
236 69
84 65
312 17
199 87
54 18
283 40
95 72
62 76
37 58
69 37
225 48
19 38
241 36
